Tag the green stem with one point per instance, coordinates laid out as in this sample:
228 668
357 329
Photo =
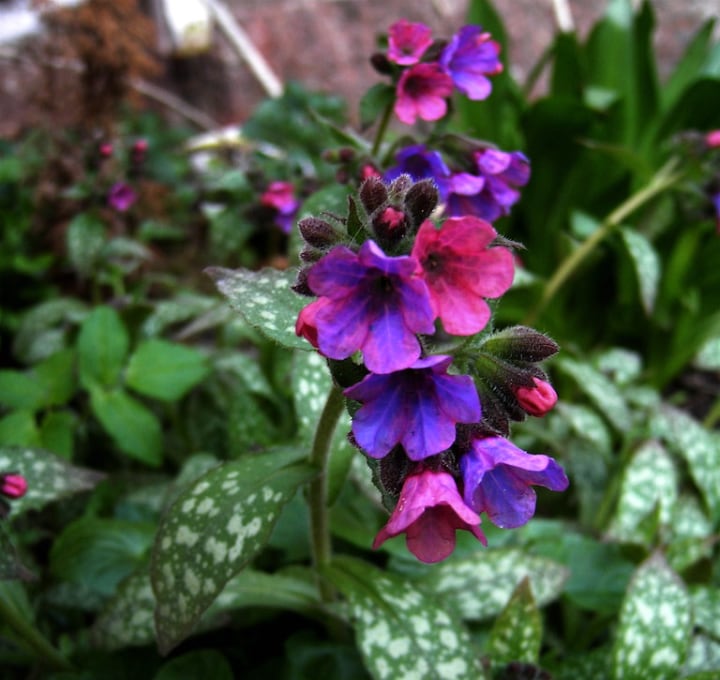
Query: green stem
662 180
382 127
318 492
32 638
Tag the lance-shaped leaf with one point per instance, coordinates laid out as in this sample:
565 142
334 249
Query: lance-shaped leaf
212 531
647 266
402 631
706 609
266 301
650 482
703 659
480 585
699 447
10 565
517 633
655 621
49 477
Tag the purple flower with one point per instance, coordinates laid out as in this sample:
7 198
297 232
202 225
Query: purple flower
420 163
407 41
121 196
376 304
469 58
498 477
430 510
421 93
491 193
281 197
417 407
715 200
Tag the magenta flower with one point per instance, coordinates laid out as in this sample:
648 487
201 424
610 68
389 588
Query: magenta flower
498 479
375 303
429 511
537 400
421 93
469 58
281 197
305 326
712 139
121 196
407 41
417 407
461 269
491 193
420 163
13 485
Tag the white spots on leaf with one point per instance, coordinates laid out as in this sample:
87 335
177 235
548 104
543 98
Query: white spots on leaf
188 505
186 536
216 549
206 507
191 582
456 668
267 493
201 487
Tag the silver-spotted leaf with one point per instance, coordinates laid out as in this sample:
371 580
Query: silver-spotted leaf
706 609
517 633
402 631
655 621
647 266
708 356
266 301
587 424
703 659
49 477
213 530
10 565
480 585
650 482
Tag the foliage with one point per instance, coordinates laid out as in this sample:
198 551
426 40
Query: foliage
170 439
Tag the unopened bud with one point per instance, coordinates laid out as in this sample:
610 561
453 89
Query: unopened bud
301 285
390 225
317 233
520 343
381 63
13 485
373 194
420 200
537 400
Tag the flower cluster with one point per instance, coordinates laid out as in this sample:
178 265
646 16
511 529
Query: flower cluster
427 71
389 285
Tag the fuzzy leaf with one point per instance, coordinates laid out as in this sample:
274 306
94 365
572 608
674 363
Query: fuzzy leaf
49 477
479 586
587 424
655 621
401 631
703 659
650 481
266 301
706 609
101 346
213 530
165 370
517 633
10 565
647 266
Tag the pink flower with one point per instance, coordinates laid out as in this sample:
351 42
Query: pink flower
121 197
460 270
538 400
13 485
712 139
429 511
306 326
281 197
407 41
421 93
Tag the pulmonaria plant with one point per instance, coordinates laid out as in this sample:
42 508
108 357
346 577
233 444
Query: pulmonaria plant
381 311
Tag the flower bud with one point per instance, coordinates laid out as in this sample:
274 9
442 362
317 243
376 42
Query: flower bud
317 233
13 485
537 400
420 200
520 343
105 150
301 286
373 194
381 64
390 226
310 255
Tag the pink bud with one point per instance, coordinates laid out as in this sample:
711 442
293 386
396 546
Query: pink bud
13 485
106 150
712 139
140 146
368 170
538 400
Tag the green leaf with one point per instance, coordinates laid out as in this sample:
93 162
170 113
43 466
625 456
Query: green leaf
85 239
690 534
708 356
99 553
401 631
706 609
650 483
480 585
266 301
57 432
165 370
19 390
646 262
213 530
102 345
586 424
601 391
374 103
517 633
135 430
19 429
703 659
49 477
10 565
56 375
699 447
655 622
206 663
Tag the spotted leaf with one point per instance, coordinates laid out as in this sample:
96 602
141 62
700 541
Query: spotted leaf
402 631
49 477
646 263
517 632
266 301
213 530
479 586
655 621
10 565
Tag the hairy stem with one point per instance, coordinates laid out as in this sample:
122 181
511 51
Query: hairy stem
382 127
318 492
662 180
